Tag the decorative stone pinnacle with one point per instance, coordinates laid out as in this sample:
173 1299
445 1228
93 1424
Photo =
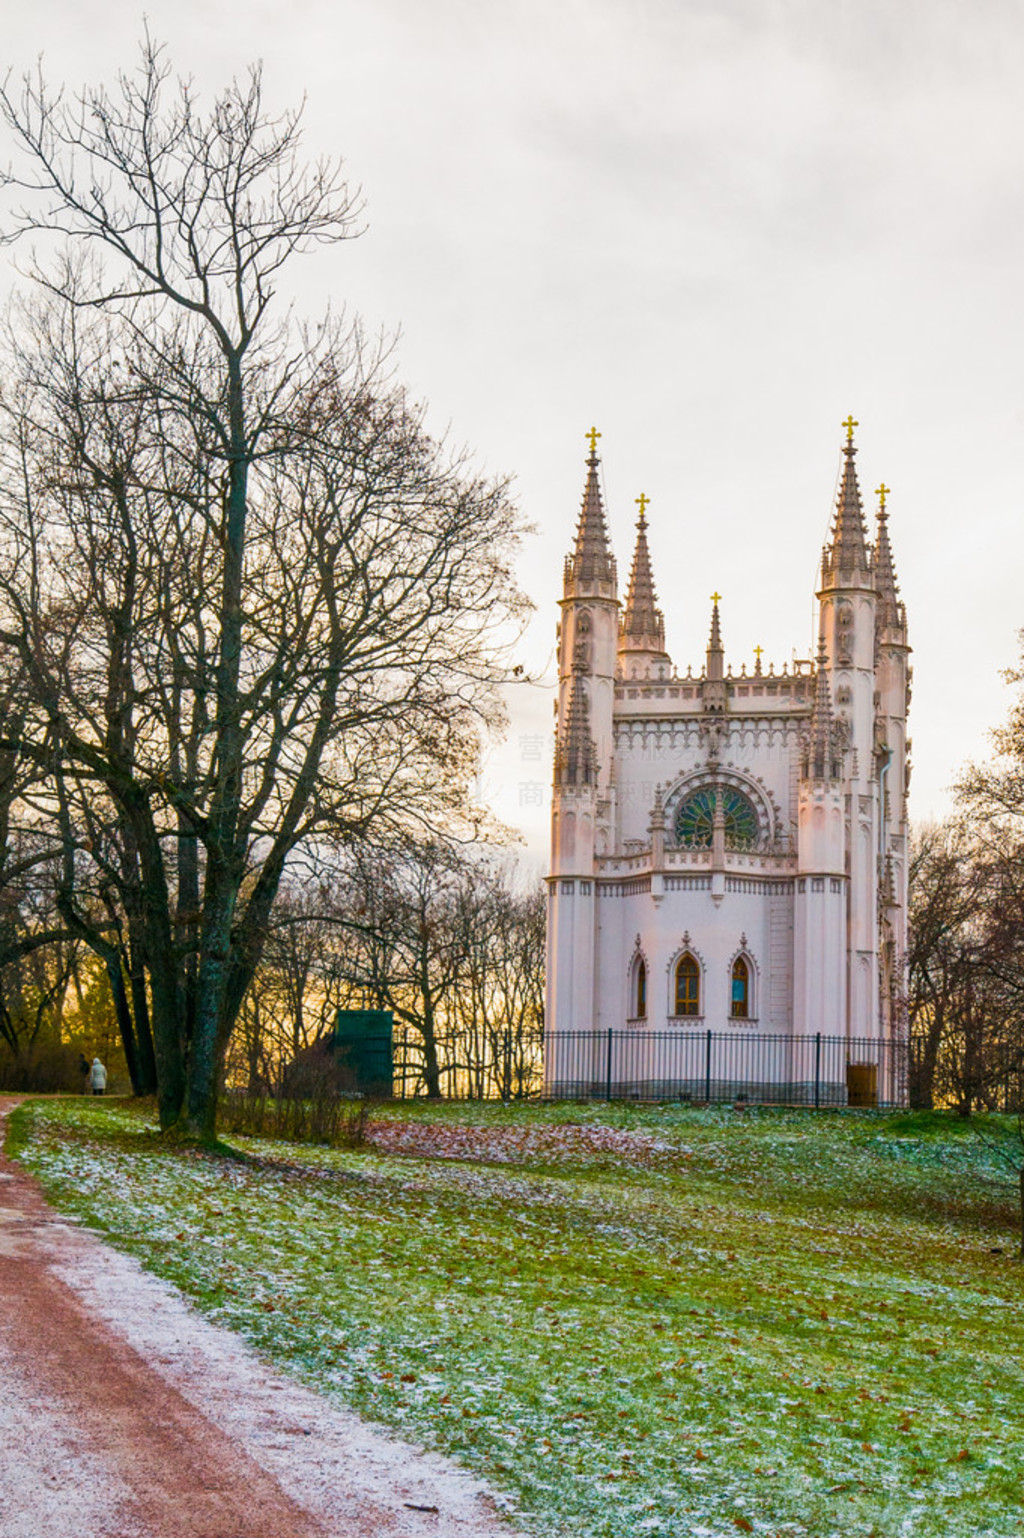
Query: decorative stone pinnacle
576 755
714 666
821 740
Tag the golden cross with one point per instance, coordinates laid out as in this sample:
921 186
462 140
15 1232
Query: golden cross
716 597
758 650
593 435
643 502
849 424
881 492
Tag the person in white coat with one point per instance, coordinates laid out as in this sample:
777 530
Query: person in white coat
97 1077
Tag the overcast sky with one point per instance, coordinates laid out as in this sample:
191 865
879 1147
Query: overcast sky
712 230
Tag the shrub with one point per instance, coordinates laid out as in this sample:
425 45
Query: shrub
45 1068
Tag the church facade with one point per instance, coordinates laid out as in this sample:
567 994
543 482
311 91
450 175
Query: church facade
728 848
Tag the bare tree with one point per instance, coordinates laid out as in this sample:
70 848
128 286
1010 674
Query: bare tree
254 602
966 968
447 940
497 1028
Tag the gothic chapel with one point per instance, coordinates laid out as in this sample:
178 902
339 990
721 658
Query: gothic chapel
728 849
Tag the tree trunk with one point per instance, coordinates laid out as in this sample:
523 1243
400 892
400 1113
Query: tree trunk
115 976
140 1011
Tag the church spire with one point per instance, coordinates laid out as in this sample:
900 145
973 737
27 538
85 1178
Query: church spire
716 651
890 610
642 627
592 560
714 691
848 550
576 755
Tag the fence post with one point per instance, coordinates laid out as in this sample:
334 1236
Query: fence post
707 1072
817 1071
608 1076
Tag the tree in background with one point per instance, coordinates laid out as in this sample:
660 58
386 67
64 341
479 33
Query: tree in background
965 969
450 940
254 604
966 957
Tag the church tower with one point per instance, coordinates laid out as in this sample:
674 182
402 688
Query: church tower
893 678
820 899
583 796
848 607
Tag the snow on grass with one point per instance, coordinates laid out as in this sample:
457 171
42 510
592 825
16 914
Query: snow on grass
632 1319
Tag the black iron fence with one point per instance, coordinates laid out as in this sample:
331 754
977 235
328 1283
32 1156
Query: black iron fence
707 1066
638 1064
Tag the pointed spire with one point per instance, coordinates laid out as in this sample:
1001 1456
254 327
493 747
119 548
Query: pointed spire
716 651
891 612
592 560
714 689
576 758
642 627
848 550
822 744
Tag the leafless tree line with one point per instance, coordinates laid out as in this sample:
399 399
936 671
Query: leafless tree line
966 955
249 609
449 941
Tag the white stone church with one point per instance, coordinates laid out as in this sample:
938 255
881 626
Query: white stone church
729 848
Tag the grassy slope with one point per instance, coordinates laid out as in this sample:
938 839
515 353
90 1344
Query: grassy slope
673 1321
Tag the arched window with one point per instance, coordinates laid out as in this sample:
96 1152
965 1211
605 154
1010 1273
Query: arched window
687 986
740 989
641 989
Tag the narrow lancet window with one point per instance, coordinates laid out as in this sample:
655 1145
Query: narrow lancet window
641 990
740 989
687 986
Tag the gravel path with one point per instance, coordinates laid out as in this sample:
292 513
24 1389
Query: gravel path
124 1414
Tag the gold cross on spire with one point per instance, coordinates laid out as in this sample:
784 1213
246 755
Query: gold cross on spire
643 502
881 492
849 424
758 652
716 597
593 435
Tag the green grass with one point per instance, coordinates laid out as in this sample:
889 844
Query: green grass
630 1320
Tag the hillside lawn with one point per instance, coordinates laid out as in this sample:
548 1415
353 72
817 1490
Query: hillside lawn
630 1320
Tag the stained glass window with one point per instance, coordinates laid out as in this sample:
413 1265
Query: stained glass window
695 818
740 989
687 986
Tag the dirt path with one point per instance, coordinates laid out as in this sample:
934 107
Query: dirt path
124 1414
